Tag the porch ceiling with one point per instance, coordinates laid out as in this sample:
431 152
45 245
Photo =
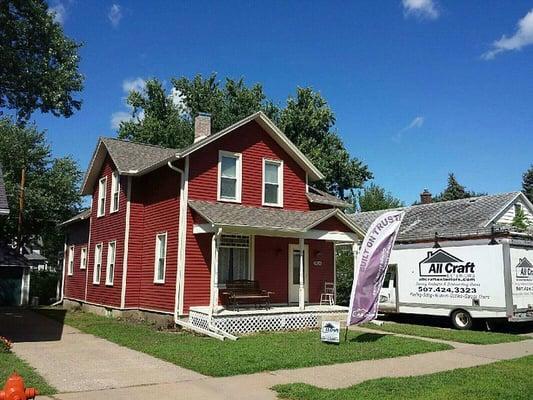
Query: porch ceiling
236 215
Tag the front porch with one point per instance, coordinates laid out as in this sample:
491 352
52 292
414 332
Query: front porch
276 318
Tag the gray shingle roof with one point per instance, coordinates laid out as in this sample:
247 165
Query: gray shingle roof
226 214
4 208
136 157
79 217
465 217
10 258
318 196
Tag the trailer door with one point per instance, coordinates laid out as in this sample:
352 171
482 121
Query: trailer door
388 300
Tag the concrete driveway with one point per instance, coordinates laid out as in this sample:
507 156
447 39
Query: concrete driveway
73 361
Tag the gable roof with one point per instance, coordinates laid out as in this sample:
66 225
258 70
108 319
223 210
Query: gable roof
456 218
78 217
524 263
236 215
4 207
133 158
9 257
313 173
439 256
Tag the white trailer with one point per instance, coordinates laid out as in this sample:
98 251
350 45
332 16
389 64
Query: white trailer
462 280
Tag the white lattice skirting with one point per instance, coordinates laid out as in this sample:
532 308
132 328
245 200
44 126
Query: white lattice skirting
242 324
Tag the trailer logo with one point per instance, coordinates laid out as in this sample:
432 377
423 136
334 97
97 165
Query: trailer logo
441 263
524 269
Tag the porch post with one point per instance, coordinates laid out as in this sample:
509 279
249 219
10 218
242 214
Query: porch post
301 290
214 271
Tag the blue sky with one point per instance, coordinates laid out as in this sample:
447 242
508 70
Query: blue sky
420 88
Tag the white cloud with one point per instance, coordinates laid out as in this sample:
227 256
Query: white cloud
416 123
522 37
118 117
422 9
115 15
137 84
58 12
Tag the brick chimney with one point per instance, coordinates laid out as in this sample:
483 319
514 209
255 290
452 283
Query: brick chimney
202 126
425 197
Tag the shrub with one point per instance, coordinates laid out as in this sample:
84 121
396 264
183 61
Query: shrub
43 284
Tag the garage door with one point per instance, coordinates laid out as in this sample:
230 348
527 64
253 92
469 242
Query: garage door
10 286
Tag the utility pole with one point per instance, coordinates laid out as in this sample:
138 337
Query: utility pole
21 206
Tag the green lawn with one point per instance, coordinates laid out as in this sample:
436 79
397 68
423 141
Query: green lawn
473 337
254 353
502 380
9 362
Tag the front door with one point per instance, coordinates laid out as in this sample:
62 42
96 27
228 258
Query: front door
294 272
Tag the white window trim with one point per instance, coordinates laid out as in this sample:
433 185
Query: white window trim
101 212
83 258
115 188
70 264
251 255
280 183
96 253
238 185
156 258
108 281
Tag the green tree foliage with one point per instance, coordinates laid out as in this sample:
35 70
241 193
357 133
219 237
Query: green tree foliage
455 191
166 119
39 67
520 221
344 264
374 197
527 183
51 190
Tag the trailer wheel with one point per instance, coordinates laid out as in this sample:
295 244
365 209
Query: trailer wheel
461 319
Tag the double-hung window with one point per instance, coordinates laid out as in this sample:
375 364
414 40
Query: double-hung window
272 183
229 176
97 263
115 190
160 258
71 260
110 270
83 258
233 258
102 188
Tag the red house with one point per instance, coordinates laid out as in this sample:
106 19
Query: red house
231 218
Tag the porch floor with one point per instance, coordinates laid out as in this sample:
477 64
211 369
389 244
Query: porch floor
277 318
274 309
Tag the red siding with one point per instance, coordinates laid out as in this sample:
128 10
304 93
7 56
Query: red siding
333 224
254 144
103 230
159 194
77 234
272 266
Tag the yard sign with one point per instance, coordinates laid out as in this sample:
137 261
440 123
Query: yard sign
372 263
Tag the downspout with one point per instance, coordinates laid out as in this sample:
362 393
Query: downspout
182 232
62 276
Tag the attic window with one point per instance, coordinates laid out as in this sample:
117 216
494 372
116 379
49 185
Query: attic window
115 190
517 208
102 189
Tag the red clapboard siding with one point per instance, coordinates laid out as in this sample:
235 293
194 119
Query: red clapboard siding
103 230
135 245
159 193
77 235
197 267
272 266
254 144
333 224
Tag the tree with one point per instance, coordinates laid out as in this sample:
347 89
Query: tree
344 264
39 67
308 121
374 197
167 119
520 221
50 193
527 183
455 191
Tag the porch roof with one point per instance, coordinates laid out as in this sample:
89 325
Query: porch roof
260 218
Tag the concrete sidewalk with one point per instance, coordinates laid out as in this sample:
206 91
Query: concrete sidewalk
82 366
73 361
